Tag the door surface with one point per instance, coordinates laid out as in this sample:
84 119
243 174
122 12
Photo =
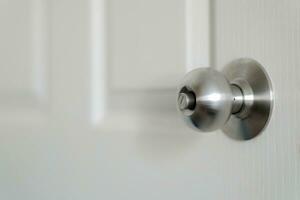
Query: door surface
88 100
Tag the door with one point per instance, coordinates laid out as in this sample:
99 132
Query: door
88 99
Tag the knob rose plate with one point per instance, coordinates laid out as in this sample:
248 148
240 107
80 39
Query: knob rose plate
256 112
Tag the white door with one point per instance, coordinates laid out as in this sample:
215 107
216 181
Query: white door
88 100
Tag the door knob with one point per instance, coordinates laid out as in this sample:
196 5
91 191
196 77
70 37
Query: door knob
237 100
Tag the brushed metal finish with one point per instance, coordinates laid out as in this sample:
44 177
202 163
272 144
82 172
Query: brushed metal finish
238 101
255 84
213 99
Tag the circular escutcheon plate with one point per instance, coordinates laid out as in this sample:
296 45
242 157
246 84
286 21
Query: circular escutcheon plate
256 87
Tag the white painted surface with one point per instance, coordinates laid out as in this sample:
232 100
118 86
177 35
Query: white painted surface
147 47
269 166
198 34
87 100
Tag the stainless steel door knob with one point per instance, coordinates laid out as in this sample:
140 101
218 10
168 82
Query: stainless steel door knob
237 100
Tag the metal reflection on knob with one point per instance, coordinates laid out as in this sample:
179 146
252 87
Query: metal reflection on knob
238 101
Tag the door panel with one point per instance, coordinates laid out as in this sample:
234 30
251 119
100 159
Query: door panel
88 93
24 58
268 32
146 40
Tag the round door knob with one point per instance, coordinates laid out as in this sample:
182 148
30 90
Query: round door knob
237 100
